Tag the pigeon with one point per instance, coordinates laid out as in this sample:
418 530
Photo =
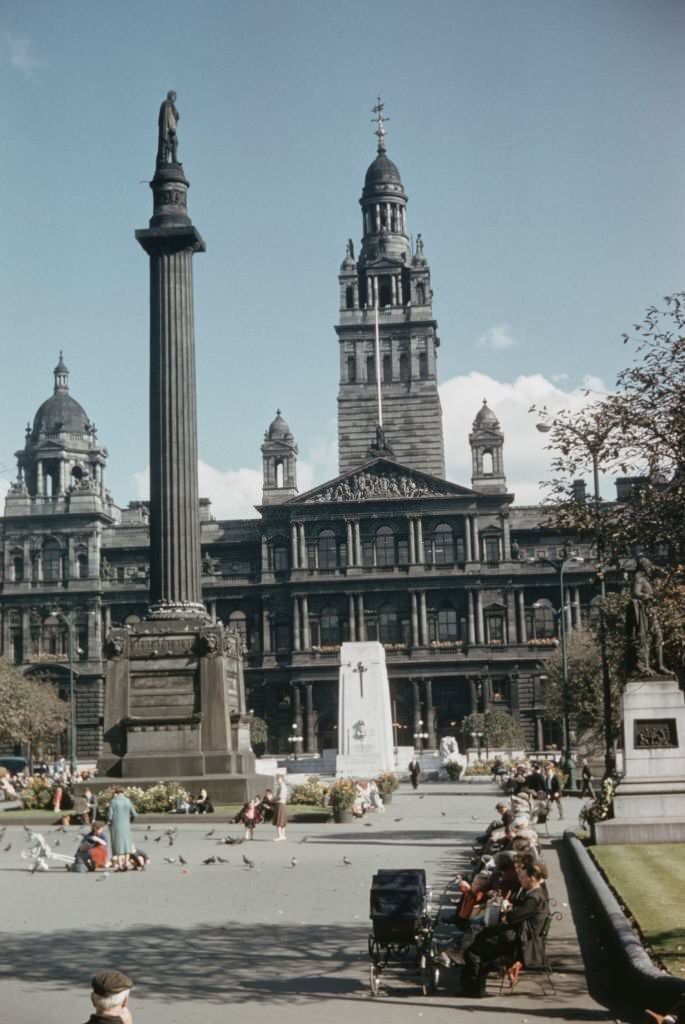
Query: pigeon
182 860
171 840
158 839
210 833
210 860
170 860
293 862
398 819
368 824
444 813
247 862
56 842
148 828
421 796
222 860
346 861
8 848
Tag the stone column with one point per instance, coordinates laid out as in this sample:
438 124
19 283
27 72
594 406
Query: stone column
265 554
412 543
351 617
476 539
416 694
521 608
294 546
480 628
430 715
414 621
511 618
212 610
297 715
361 618
506 539
310 720
357 544
266 631
420 554
306 634
108 618
423 618
349 535
467 539
304 560
170 242
471 617
297 643
40 480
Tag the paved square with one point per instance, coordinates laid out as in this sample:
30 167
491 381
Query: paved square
212 941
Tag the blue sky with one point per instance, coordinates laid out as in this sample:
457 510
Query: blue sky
541 144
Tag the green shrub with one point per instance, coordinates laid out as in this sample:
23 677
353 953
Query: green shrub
387 783
312 792
158 799
602 807
454 770
37 795
342 794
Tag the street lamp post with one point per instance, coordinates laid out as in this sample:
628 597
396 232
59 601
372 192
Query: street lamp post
593 443
419 737
294 739
68 619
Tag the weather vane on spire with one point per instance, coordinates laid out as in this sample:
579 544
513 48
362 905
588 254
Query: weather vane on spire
380 123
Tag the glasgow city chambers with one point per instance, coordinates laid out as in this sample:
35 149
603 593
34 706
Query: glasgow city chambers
459 584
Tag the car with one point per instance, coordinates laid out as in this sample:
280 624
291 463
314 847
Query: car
14 765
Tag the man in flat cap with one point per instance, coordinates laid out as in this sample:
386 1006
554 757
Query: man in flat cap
110 998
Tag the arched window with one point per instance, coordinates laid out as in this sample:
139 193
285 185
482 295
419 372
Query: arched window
238 621
351 369
387 368
17 566
488 465
423 365
389 625
82 565
404 367
443 545
55 636
329 622
385 546
384 292
52 561
543 619
349 297
279 555
327 550
420 293
448 624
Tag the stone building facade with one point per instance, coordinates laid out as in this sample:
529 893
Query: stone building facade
459 583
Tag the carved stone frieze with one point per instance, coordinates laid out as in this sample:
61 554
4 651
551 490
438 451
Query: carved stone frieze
364 486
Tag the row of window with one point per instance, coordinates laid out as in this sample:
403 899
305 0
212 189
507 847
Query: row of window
52 557
404 370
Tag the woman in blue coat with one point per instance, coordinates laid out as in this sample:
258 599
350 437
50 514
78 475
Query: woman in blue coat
120 814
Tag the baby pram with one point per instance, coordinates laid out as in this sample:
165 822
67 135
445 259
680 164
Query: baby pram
402 935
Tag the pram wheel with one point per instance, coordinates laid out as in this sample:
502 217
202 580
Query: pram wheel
429 971
374 980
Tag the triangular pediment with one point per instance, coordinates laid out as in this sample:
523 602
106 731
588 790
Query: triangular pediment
379 480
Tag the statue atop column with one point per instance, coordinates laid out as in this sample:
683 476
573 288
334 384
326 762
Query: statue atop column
168 141
645 654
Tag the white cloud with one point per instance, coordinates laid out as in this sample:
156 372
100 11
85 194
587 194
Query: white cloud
20 54
525 460
498 337
235 492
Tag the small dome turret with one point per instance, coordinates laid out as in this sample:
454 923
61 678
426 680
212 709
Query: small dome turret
485 418
61 413
278 429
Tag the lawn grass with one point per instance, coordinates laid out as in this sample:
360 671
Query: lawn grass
650 881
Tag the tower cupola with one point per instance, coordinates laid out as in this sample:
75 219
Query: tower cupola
279 462
487 442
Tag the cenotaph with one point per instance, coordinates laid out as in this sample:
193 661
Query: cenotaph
365 738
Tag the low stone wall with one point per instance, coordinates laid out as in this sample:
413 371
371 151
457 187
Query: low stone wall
647 985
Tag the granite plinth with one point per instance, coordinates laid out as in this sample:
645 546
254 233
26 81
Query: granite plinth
222 789
649 805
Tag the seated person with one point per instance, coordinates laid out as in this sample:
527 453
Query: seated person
93 850
137 860
505 818
517 938
202 804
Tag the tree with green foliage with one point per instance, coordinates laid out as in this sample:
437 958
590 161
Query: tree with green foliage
636 432
31 712
498 729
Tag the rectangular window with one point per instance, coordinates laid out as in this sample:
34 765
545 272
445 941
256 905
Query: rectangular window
402 552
